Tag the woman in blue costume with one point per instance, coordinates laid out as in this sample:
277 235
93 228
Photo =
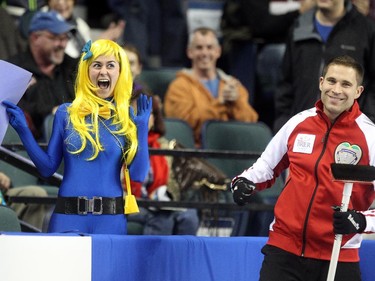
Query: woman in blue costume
94 136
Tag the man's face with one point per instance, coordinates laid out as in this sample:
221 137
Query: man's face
51 47
204 51
339 88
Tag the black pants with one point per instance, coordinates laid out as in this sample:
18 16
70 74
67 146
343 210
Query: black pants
279 265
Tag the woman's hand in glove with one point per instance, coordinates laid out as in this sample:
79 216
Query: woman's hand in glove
16 116
144 109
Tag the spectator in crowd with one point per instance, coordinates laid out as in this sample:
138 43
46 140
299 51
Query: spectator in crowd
371 13
136 66
205 92
17 8
363 6
157 28
332 28
157 186
53 70
302 234
31 5
253 46
366 7
246 20
11 41
32 214
81 34
160 181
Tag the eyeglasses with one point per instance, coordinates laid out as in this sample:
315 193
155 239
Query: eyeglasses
56 1
63 38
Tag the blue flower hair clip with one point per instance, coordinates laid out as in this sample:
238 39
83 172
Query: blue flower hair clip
86 49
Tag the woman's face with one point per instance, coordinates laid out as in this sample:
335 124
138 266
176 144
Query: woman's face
104 73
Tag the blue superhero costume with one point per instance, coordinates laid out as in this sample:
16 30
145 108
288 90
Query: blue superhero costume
100 177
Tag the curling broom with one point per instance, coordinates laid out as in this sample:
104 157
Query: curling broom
348 174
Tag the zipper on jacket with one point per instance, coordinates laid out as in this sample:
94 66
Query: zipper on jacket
324 140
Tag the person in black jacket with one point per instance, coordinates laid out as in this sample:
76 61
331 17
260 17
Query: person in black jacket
11 41
262 24
53 70
333 28
253 46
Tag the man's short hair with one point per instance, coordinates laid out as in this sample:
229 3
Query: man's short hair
347 61
204 31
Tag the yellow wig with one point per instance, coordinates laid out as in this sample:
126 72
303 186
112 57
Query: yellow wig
87 99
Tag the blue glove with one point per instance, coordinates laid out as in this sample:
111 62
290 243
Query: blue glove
242 189
16 117
140 165
39 157
144 109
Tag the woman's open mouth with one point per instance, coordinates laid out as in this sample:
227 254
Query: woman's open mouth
103 83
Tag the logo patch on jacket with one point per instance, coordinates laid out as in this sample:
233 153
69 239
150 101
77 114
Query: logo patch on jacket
304 143
346 153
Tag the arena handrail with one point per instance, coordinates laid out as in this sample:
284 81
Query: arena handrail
7 154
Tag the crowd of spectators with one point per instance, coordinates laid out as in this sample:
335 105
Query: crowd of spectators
160 33
273 82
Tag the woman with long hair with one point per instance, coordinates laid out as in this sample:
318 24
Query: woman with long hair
94 135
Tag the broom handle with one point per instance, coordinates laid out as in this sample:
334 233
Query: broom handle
347 192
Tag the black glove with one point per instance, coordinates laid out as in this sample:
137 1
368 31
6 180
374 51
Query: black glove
242 188
348 222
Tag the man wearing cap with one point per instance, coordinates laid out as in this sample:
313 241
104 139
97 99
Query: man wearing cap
53 70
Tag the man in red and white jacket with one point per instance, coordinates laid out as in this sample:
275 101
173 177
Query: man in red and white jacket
302 233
